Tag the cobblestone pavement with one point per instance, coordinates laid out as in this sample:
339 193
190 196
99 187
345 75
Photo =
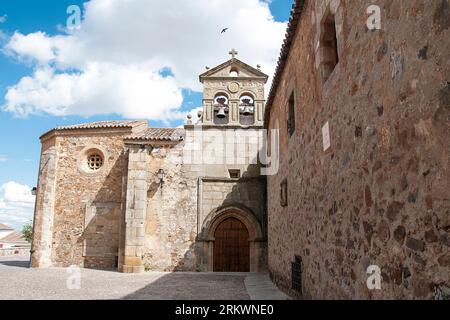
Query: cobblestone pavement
17 281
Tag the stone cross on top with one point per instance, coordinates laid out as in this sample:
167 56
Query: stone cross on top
233 53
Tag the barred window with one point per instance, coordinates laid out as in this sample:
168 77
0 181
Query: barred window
291 114
95 161
284 193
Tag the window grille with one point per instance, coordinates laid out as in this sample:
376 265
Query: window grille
95 161
297 274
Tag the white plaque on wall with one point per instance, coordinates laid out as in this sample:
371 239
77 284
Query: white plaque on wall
326 136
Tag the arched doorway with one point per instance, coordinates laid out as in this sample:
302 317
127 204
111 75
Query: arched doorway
207 238
231 246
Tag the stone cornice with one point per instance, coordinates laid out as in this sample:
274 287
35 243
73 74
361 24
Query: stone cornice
152 143
236 78
208 75
231 180
87 132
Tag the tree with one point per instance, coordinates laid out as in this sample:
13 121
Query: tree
27 231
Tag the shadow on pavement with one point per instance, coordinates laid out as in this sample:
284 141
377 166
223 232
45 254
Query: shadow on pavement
186 286
14 262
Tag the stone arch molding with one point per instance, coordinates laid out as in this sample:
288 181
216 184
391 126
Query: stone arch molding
247 217
242 213
248 92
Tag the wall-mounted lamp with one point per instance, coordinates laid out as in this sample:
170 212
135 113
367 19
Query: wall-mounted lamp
34 191
161 176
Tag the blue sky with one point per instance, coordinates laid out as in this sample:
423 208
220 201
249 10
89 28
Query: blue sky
19 143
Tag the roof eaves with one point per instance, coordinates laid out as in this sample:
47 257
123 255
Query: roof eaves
88 126
158 134
294 22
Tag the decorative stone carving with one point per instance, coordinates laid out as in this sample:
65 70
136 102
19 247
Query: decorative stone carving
233 87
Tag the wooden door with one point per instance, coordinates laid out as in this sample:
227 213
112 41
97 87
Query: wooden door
231 247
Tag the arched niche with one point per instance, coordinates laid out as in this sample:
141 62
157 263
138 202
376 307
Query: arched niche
221 108
247 109
234 72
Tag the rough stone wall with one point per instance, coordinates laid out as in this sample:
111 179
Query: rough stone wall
176 211
171 221
87 210
380 194
120 216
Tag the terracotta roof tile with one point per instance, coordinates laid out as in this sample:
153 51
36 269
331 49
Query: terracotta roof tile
104 124
100 125
159 134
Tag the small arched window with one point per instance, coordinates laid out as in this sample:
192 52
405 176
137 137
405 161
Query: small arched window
221 110
329 46
246 100
221 100
246 109
234 72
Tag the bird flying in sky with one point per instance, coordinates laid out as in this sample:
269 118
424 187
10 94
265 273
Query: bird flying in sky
224 30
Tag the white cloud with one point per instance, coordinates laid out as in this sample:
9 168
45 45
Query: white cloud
3 18
16 204
37 46
102 88
121 47
3 158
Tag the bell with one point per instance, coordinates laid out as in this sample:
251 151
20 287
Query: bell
247 111
221 113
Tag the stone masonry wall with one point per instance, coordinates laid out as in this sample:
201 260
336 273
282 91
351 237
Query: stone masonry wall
171 221
88 211
208 155
177 210
380 194
41 247
135 211
121 217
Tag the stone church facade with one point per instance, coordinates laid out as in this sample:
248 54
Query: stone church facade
364 179
122 195
358 124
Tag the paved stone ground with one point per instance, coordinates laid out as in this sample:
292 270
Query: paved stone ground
17 281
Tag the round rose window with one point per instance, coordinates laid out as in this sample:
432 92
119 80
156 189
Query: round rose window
95 161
